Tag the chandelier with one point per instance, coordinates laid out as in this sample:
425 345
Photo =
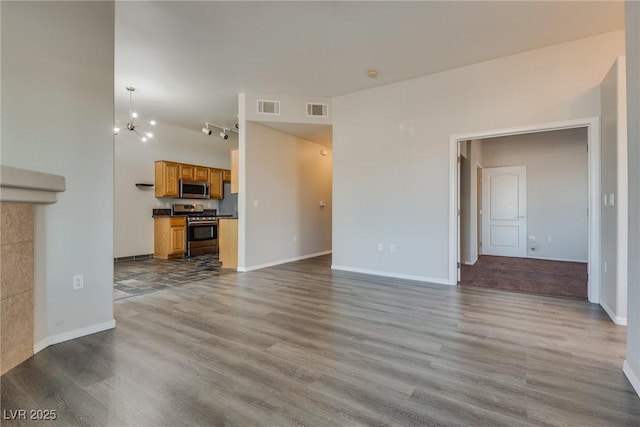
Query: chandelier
132 125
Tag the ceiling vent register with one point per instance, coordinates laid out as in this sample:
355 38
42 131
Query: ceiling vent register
268 107
317 110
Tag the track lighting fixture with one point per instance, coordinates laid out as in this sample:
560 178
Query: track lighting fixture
224 134
132 125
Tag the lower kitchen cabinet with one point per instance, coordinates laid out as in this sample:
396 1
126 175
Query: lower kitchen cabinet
228 242
170 237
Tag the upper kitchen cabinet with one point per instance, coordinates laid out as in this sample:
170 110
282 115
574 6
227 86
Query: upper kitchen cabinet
169 174
194 173
167 179
226 175
235 163
187 172
215 183
201 173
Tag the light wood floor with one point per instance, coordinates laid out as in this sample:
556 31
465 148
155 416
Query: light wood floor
299 344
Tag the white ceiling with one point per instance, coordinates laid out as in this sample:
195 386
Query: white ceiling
189 60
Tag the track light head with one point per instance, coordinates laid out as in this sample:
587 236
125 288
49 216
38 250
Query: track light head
224 134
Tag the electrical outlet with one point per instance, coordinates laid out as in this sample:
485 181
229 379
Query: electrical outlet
380 247
392 247
255 203
606 267
78 282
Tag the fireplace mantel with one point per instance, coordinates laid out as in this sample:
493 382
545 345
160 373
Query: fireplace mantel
20 191
26 186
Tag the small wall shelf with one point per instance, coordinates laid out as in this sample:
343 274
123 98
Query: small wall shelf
143 185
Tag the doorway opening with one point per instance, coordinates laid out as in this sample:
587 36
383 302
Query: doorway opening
553 241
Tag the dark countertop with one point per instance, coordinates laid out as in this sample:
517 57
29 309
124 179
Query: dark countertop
167 212
161 212
168 215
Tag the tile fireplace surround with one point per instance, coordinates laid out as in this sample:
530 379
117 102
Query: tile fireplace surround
20 191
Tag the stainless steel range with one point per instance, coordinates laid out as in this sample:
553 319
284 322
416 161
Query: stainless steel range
202 230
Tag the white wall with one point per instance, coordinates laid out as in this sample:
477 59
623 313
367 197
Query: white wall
134 162
57 117
632 18
393 142
557 188
288 178
613 181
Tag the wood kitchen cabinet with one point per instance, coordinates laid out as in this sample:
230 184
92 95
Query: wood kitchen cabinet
187 172
166 182
226 175
193 173
170 237
235 163
228 242
215 183
201 173
169 174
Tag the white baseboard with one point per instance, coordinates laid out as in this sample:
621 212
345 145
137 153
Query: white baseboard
471 261
618 320
584 261
631 376
76 333
390 274
282 261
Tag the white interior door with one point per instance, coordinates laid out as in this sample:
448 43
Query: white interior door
504 211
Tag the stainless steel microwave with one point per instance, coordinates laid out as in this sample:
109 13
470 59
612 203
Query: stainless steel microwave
194 189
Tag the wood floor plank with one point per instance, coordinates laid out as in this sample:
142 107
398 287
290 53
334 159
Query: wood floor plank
300 344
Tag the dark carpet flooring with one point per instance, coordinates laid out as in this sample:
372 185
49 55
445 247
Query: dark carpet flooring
532 276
